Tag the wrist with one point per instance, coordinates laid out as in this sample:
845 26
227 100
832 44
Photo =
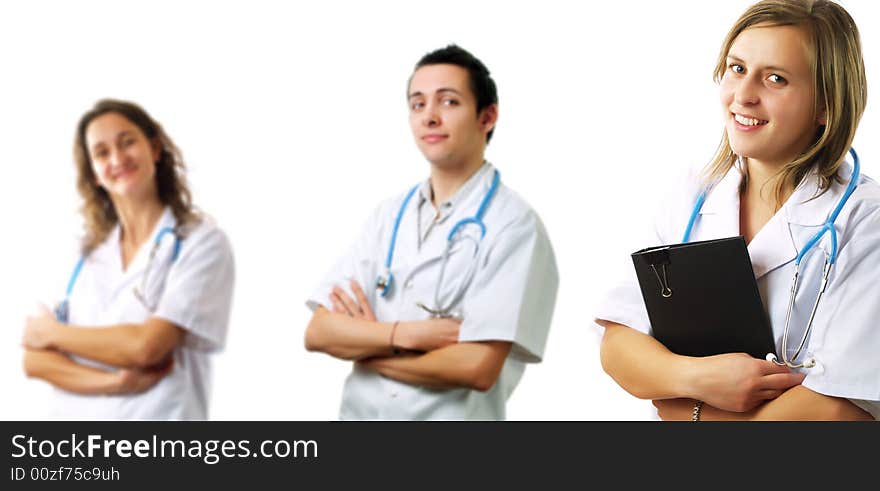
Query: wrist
402 336
695 413
691 377
116 382
51 335
392 342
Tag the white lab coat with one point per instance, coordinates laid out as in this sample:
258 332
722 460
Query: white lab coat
511 297
194 293
845 339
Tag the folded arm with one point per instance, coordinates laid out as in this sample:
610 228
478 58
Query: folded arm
351 331
471 365
122 345
646 369
346 337
64 373
352 338
640 364
797 403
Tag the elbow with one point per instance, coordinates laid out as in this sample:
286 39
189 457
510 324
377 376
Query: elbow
310 342
34 364
607 358
313 339
609 361
314 343
482 383
609 351
636 391
845 410
148 351
28 365
484 371
611 366
316 339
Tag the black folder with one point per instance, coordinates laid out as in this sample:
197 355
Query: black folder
702 298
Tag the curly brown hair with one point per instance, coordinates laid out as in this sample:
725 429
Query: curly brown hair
97 208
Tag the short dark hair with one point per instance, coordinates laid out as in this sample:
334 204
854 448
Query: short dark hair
481 82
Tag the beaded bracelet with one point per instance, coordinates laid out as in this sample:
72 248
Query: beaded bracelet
695 416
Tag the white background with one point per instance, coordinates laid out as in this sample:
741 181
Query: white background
292 118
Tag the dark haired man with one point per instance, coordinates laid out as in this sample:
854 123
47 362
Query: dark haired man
449 290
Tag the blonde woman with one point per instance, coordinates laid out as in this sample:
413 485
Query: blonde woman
792 86
149 298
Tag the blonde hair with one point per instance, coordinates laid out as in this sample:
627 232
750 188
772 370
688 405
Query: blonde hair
838 80
97 208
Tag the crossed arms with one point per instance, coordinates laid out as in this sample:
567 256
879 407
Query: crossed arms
733 386
141 352
424 352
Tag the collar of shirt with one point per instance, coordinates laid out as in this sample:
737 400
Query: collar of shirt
777 242
111 250
772 247
428 215
804 207
724 195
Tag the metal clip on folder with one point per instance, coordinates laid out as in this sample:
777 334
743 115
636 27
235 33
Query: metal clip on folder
659 257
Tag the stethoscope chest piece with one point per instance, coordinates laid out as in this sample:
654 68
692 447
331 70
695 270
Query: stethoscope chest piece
810 362
62 312
384 283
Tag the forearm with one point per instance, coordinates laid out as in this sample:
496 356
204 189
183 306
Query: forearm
797 403
347 337
473 365
64 373
121 345
642 365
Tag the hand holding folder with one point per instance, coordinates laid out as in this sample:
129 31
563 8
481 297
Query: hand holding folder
702 298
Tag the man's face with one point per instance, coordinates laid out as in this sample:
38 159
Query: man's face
443 116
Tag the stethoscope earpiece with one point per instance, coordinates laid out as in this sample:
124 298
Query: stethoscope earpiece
771 357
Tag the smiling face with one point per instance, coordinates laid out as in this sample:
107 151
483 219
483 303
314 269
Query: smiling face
122 158
768 95
443 116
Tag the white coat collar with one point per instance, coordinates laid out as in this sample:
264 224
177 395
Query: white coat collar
775 245
466 199
724 196
113 244
426 193
771 248
805 208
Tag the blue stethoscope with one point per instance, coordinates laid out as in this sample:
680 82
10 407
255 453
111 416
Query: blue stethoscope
385 281
62 312
830 259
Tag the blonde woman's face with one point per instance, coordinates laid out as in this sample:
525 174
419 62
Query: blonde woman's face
767 94
123 159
